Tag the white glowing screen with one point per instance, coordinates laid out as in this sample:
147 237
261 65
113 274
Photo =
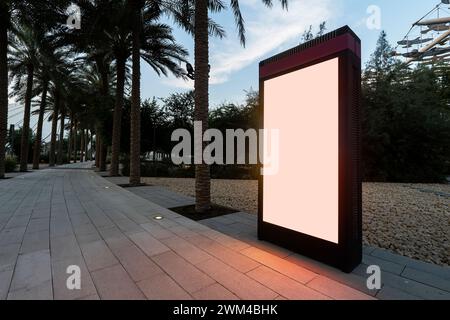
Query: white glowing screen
304 195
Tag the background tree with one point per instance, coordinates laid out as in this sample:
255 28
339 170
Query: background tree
406 120
179 108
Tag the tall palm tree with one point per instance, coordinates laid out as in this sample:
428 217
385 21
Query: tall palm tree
90 43
120 47
155 44
99 82
135 139
75 141
54 117
23 59
110 37
4 25
202 173
50 58
44 82
71 144
201 38
107 38
60 158
62 79
42 13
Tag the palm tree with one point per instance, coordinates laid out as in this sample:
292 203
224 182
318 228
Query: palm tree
50 58
200 25
44 82
36 13
110 37
202 173
4 24
54 117
24 57
154 43
62 128
62 79
135 139
71 144
120 47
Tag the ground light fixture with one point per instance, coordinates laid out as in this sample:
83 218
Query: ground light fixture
158 217
311 94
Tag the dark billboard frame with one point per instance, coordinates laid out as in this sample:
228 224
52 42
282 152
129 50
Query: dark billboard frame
345 45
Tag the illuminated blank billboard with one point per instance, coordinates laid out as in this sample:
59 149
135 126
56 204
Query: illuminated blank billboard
296 175
312 203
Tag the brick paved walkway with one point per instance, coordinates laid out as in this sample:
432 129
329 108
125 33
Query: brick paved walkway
55 218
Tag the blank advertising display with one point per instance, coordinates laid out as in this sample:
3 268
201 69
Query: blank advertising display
311 203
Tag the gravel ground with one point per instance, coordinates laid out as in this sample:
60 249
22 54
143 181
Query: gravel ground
410 219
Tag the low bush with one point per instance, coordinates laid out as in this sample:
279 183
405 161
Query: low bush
166 169
10 164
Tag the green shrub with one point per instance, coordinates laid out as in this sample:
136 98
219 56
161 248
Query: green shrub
169 170
10 164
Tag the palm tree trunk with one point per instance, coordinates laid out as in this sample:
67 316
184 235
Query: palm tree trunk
86 146
38 140
3 84
101 151
54 129
114 170
69 151
82 146
97 148
135 137
25 142
104 154
75 134
61 137
202 173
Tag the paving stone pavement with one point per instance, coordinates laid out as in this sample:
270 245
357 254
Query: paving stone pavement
70 216
156 194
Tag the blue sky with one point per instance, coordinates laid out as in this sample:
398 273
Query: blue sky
269 31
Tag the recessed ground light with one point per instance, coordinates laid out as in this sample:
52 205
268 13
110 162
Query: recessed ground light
106 187
158 217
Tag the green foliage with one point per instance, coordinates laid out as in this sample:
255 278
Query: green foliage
232 116
406 120
10 164
179 108
14 140
168 170
159 121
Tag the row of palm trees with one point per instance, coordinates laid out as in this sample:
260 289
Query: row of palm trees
82 75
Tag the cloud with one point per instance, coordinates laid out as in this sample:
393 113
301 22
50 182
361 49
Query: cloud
178 83
267 30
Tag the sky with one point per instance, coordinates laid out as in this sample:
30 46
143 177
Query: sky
234 69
